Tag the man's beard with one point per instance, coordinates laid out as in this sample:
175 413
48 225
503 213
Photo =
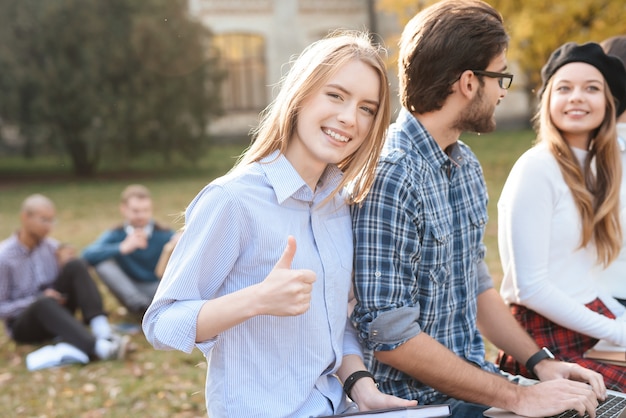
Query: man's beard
478 116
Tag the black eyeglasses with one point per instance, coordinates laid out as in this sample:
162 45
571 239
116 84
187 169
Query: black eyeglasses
504 80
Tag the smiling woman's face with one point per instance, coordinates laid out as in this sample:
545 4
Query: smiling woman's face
577 102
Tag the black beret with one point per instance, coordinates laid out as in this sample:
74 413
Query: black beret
610 66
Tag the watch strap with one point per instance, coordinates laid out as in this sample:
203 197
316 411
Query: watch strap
351 380
540 355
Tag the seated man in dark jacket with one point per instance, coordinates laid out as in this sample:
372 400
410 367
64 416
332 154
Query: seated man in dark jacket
125 257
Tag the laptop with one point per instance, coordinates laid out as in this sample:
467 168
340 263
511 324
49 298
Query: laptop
613 407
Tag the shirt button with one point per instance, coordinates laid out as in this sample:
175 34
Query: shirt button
374 333
377 274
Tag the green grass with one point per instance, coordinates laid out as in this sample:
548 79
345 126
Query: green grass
497 153
149 383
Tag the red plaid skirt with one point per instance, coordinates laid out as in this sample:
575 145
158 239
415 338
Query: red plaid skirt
565 344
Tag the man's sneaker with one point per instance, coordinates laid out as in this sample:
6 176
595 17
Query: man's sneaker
119 346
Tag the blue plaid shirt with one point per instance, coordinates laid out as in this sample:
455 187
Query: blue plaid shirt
419 253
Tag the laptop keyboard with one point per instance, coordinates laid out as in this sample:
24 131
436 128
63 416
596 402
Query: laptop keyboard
612 407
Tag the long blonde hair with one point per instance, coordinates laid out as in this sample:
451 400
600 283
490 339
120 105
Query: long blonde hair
308 73
596 195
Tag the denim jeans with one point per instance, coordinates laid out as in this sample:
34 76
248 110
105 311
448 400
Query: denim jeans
462 409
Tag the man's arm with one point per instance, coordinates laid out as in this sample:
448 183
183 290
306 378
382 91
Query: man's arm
500 327
9 306
433 364
105 247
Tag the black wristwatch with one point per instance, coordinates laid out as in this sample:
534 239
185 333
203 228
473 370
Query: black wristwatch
540 355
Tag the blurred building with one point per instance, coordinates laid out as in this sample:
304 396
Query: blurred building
257 38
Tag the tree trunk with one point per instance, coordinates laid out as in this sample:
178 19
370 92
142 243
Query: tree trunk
83 165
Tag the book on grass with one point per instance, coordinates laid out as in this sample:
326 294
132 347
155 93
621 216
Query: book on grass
55 355
607 352
127 328
419 411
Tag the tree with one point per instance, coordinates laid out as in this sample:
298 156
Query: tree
108 80
538 27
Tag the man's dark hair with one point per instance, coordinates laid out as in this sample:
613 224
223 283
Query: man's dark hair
442 41
615 45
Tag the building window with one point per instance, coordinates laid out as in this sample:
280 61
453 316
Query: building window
331 6
232 6
243 59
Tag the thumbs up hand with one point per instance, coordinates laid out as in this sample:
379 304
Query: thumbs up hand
286 292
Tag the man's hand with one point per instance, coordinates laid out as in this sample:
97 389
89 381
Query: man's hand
551 369
65 253
555 396
53 294
286 292
136 240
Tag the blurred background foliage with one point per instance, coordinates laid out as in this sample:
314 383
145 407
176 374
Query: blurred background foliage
102 85
538 27
107 80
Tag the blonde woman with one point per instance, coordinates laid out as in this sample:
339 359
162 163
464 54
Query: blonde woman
612 277
558 214
260 279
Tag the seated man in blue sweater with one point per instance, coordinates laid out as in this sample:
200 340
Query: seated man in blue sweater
125 257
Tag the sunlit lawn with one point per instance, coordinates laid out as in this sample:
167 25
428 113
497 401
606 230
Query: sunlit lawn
150 383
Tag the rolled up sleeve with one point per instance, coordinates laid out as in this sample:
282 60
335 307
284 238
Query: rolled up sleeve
386 251
391 329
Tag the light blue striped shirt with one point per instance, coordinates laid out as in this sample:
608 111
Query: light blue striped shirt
236 230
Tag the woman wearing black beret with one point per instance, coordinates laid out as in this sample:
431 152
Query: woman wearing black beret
559 212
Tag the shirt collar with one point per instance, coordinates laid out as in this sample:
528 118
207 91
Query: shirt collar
14 240
148 229
423 143
287 183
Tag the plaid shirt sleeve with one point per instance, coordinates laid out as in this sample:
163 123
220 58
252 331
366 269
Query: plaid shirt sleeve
386 249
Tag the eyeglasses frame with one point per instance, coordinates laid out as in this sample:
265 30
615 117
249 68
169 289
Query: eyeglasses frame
500 76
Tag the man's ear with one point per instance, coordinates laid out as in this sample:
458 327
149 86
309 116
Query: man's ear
468 84
23 216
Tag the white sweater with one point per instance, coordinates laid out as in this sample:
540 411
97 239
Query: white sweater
613 279
539 236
